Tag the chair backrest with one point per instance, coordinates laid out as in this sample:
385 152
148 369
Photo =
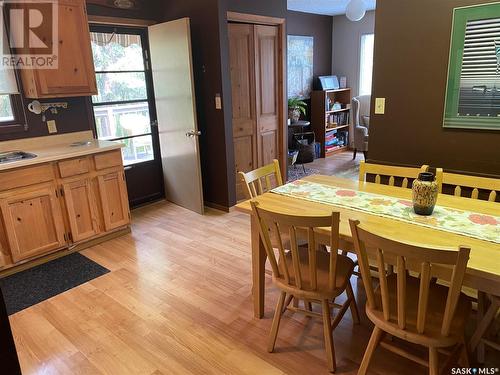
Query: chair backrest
379 170
259 181
406 254
361 107
278 224
459 181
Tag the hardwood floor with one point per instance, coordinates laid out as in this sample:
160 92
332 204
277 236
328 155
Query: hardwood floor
178 301
340 164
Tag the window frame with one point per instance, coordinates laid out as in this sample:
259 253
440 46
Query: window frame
360 62
19 123
143 34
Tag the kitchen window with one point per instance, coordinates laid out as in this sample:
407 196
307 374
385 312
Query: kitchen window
366 64
12 118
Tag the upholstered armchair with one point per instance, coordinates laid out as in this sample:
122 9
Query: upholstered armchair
361 116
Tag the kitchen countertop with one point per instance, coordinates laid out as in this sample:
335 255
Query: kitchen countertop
53 148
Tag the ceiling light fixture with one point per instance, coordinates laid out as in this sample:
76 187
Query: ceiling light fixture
124 4
355 10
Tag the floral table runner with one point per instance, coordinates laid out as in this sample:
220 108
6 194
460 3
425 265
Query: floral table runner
472 224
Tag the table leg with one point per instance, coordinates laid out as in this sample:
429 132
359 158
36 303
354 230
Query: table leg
482 302
258 270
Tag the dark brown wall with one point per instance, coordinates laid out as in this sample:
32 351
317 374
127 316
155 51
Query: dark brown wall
152 10
319 27
412 41
269 8
76 117
204 18
212 76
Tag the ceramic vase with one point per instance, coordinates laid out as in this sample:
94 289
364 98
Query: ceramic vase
425 192
294 114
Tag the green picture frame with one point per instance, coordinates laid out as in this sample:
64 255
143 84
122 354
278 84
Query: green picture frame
473 86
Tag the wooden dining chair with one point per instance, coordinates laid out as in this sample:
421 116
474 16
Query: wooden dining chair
413 309
473 183
392 172
260 180
492 187
307 273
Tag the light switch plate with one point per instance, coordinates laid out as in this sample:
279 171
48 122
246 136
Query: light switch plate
51 125
379 106
218 101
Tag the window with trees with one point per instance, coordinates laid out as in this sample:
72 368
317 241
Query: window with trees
366 64
122 106
11 110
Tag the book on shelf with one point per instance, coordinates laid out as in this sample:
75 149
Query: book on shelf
341 118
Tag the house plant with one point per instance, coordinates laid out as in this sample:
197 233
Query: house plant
296 106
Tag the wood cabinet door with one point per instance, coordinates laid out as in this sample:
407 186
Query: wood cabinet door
114 200
242 64
267 89
33 222
80 207
75 75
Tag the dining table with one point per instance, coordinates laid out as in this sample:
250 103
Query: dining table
483 269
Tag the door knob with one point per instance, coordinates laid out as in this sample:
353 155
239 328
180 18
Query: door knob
193 133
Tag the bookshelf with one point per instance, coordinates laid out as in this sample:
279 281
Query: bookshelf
331 126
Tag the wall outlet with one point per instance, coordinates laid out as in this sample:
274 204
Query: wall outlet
218 101
379 106
51 125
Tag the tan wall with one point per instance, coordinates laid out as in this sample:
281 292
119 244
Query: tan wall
346 47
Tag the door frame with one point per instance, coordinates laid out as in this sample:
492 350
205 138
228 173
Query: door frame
282 64
108 25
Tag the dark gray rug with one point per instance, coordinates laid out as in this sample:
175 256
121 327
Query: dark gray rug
297 172
27 288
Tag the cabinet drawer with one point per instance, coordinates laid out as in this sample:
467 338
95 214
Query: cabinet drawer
73 167
108 160
26 176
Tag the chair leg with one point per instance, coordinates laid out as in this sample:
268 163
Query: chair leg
464 355
276 322
433 361
375 338
287 302
308 305
365 154
304 168
354 154
484 323
327 329
353 305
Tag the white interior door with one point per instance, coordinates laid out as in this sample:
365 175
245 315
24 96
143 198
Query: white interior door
172 67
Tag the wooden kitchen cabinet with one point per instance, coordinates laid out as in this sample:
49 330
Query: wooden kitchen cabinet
54 205
113 199
75 75
33 222
80 207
